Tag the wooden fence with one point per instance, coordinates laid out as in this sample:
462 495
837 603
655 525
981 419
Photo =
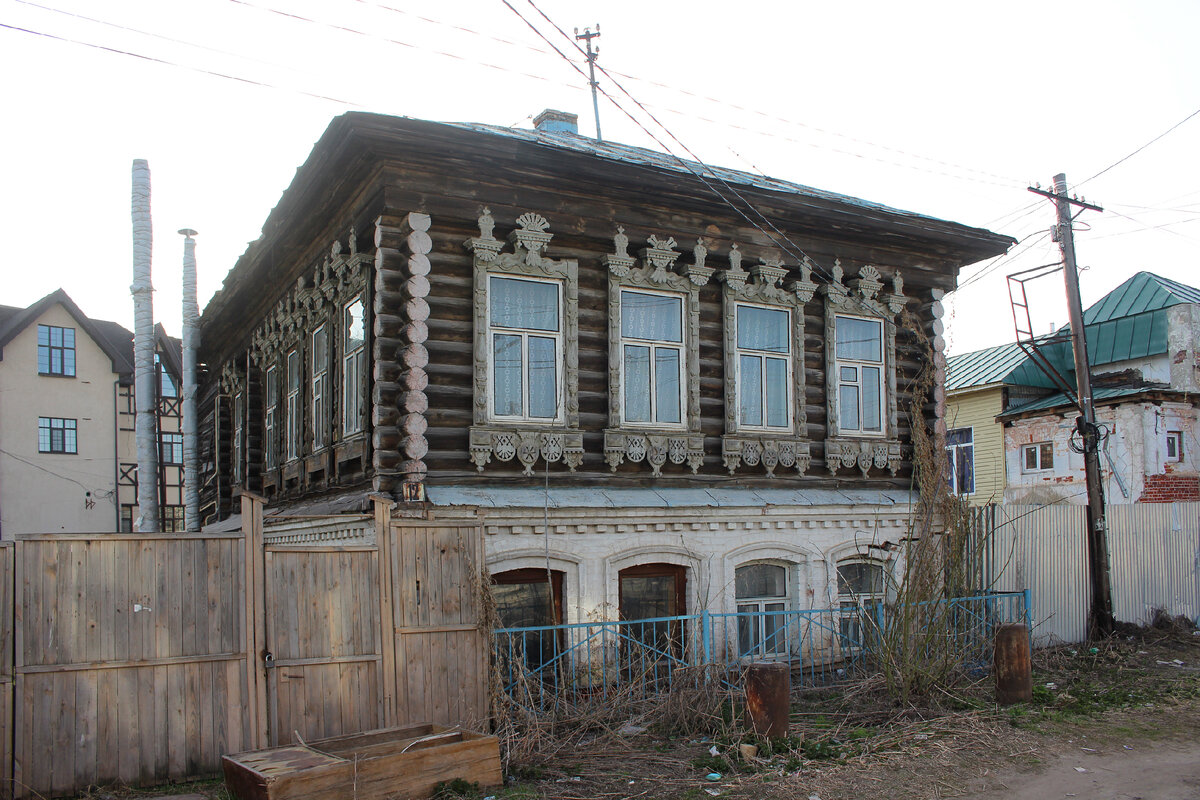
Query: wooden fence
143 658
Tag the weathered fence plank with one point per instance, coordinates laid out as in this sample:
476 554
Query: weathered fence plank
7 630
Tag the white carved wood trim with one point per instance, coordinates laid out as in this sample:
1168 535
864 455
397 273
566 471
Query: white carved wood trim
655 270
861 296
761 285
501 438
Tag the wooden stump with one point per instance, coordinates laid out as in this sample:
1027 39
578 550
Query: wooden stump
1013 667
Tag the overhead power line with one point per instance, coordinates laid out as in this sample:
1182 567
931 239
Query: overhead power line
1120 161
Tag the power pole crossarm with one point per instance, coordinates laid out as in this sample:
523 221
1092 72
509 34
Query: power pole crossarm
587 36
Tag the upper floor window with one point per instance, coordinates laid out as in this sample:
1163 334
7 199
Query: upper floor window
1037 457
1174 446
166 384
239 434
354 360
764 367
172 448
525 342
652 358
56 351
270 417
960 458
292 410
56 435
858 355
319 386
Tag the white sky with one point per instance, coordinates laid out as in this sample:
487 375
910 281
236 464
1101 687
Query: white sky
944 108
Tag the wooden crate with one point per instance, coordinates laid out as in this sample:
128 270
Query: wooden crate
405 762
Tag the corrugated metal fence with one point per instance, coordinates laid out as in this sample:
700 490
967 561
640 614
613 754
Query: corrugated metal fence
1154 555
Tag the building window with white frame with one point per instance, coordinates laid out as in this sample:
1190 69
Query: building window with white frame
292 421
1037 457
239 435
764 367
858 359
960 460
319 397
652 358
354 361
762 595
860 584
270 426
1174 446
57 435
525 343
56 351
172 448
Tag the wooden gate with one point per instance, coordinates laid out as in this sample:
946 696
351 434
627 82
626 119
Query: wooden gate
441 650
373 635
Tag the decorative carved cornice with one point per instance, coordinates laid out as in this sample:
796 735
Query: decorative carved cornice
842 453
656 449
526 445
770 451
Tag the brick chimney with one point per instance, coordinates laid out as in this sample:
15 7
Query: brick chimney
551 121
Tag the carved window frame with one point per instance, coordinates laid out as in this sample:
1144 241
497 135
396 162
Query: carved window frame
682 347
762 286
558 338
861 297
505 439
654 270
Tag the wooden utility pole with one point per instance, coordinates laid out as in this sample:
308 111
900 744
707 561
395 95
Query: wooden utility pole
587 36
1102 622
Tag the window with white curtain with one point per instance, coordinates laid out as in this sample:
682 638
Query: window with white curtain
525 345
270 426
960 460
652 358
319 386
858 360
764 367
353 365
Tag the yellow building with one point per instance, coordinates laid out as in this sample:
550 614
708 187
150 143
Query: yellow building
67 453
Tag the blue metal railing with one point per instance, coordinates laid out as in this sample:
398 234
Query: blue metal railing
544 666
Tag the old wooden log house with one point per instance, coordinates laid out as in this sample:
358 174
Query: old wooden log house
671 387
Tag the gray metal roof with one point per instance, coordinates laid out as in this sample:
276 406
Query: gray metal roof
662 498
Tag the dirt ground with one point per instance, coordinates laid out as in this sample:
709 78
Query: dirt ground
1120 722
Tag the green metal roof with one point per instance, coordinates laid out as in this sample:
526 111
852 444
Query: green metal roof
1129 322
1144 292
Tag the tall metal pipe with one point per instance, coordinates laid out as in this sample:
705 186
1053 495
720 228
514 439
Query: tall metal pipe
191 343
145 394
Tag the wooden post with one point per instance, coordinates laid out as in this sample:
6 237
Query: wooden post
768 698
254 618
1013 667
387 621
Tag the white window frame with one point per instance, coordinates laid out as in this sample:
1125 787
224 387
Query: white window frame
491 331
239 434
270 418
655 344
852 605
292 411
952 457
858 365
788 358
319 387
353 371
1174 442
1037 448
782 642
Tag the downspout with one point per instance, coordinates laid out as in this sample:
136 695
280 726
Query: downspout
191 341
143 351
